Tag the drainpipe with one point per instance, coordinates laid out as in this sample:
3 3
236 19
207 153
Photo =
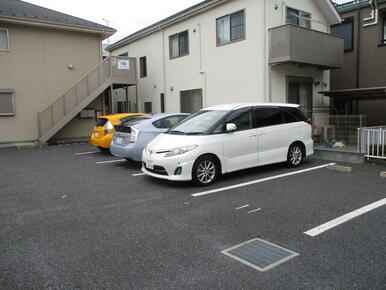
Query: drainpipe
358 45
267 86
164 69
201 70
373 14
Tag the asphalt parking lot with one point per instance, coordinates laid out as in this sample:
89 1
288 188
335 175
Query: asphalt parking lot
71 217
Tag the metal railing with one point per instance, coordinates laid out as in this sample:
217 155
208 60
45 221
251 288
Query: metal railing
372 141
102 74
338 3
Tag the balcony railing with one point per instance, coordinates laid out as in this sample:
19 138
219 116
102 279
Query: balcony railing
338 3
294 44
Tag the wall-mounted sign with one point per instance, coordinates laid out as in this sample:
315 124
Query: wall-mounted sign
123 64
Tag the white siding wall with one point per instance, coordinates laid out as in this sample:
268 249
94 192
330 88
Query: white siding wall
236 72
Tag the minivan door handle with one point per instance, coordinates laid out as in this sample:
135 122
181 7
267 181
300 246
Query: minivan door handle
261 133
252 135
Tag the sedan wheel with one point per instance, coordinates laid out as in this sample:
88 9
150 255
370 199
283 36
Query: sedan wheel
205 171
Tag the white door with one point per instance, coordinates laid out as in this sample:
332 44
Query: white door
272 135
240 147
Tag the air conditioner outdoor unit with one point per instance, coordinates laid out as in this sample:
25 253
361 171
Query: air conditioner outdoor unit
328 132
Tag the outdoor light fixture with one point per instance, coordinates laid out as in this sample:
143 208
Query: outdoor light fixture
70 66
171 88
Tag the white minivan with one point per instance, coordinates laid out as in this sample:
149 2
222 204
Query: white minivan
226 138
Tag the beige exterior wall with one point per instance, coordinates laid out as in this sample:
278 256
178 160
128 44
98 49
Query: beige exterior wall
36 68
236 72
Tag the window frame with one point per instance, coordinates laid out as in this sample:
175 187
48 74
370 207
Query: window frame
11 92
178 39
230 26
143 73
298 17
383 28
347 20
7 35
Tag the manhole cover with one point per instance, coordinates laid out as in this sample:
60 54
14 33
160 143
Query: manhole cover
259 254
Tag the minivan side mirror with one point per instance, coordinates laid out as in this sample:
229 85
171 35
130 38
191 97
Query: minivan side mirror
231 127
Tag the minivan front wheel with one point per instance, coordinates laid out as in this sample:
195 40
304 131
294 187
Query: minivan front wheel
205 171
295 155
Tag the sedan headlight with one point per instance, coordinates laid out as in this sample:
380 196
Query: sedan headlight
180 150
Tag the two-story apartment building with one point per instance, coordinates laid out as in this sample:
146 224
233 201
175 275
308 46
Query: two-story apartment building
224 51
360 87
42 54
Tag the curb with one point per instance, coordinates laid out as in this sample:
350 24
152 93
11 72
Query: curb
340 168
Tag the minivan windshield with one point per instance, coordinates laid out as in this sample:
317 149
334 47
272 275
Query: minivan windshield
198 123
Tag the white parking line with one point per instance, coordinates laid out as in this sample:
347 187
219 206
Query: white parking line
344 218
255 210
138 174
84 153
258 180
110 161
243 206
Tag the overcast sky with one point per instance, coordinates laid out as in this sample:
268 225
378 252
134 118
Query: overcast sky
126 16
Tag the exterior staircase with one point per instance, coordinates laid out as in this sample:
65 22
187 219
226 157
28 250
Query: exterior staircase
63 109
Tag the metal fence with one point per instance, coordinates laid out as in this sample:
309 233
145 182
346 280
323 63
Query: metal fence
372 141
337 128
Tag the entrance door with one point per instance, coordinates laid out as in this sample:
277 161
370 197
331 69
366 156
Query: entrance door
191 101
300 92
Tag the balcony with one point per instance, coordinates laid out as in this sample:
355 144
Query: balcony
306 47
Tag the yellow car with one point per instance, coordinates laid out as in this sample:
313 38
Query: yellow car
103 131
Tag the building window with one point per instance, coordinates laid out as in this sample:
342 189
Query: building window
383 41
179 44
4 40
148 107
346 31
7 107
191 101
142 67
162 102
231 28
298 17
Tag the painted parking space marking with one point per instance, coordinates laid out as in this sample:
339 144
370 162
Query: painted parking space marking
243 206
85 153
344 218
138 174
110 161
254 210
258 180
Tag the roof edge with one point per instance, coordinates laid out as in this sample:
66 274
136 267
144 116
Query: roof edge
177 17
41 23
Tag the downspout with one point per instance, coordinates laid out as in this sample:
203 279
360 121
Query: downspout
267 87
164 68
373 14
358 45
201 70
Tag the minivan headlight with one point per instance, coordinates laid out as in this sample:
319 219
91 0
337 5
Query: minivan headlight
180 150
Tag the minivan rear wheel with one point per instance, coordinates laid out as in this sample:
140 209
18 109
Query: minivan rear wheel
295 155
205 171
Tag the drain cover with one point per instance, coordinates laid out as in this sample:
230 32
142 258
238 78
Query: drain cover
259 254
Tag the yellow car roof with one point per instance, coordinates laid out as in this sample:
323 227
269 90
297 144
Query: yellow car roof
117 117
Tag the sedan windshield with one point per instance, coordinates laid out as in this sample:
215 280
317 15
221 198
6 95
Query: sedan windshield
198 123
